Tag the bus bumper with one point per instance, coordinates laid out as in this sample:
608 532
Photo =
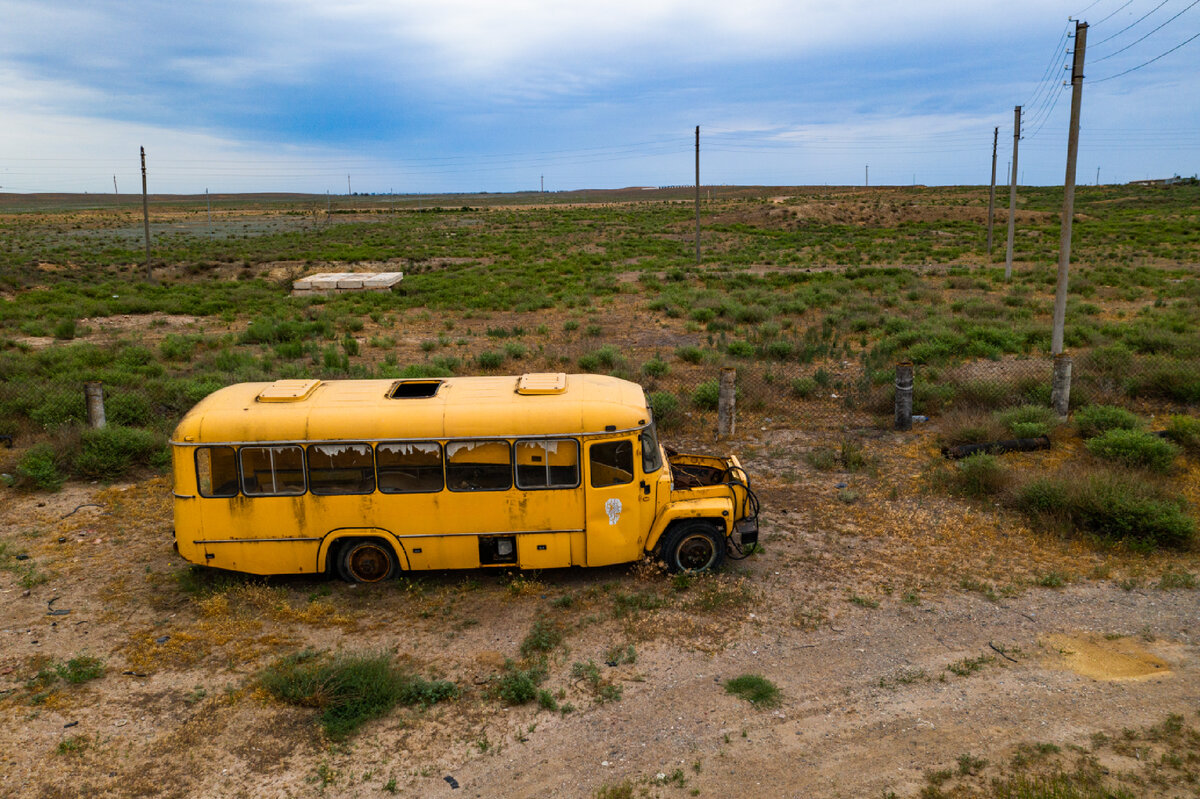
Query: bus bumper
747 530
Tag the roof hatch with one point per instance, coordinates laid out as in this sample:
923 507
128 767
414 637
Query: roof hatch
288 391
414 389
542 383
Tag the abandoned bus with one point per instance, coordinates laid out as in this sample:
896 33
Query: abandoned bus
364 478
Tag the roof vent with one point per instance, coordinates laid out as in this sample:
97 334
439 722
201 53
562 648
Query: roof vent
414 389
288 391
542 383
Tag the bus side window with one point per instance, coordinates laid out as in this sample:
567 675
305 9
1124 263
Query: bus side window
216 471
270 471
478 466
341 469
409 467
611 463
548 463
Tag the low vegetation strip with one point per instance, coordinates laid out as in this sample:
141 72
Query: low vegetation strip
349 689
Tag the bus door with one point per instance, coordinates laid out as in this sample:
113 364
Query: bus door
614 515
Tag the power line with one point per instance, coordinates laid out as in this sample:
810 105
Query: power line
1048 78
1135 22
1110 16
1151 61
1131 44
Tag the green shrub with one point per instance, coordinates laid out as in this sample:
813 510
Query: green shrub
979 476
111 452
57 407
755 689
1169 380
665 407
690 354
38 468
349 689
489 359
1027 421
1111 505
81 669
542 638
740 349
1042 496
603 359
656 367
128 409
707 395
64 329
1134 448
1126 508
518 686
804 387
1096 419
1184 431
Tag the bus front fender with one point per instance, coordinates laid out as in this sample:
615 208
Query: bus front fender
716 509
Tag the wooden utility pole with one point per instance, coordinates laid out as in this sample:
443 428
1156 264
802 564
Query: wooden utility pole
208 201
116 194
1064 244
1060 387
867 176
697 195
1012 194
146 217
992 193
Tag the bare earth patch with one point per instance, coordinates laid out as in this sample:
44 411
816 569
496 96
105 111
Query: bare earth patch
902 630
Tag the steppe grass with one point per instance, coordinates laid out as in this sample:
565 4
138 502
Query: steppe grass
349 689
755 689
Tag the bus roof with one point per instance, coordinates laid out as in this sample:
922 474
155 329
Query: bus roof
452 407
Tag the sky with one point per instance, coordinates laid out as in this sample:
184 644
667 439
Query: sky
430 96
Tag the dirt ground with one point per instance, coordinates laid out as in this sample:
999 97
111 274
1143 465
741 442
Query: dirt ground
903 630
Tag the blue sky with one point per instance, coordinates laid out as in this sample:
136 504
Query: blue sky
465 95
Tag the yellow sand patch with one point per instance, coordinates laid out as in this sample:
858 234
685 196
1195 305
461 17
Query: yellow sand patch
1103 659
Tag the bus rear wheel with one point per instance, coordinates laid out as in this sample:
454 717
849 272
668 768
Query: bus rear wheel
366 562
694 547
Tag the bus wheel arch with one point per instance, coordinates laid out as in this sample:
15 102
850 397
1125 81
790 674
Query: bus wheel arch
364 560
693 546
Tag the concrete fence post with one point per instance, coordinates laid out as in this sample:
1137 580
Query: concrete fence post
904 392
726 402
1060 387
93 392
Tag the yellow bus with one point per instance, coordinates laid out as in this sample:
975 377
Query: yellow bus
366 478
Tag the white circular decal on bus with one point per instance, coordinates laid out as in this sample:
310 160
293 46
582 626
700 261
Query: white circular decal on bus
613 508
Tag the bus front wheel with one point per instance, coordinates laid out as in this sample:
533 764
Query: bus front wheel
694 547
366 561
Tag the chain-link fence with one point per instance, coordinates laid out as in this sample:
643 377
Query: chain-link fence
831 395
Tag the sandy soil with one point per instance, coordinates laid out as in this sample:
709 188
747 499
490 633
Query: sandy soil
903 631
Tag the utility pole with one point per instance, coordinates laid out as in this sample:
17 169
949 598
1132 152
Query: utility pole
348 192
146 217
116 193
1012 194
697 195
208 202
543 191
992 193
1097 176
1060 391
1064 246
867 176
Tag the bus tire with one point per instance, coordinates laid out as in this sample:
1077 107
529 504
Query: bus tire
366 560
693 547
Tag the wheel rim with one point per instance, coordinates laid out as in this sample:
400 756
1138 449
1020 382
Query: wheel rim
696 552
369 563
